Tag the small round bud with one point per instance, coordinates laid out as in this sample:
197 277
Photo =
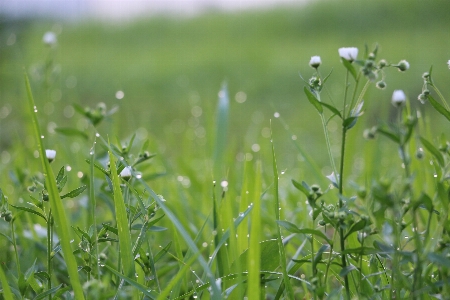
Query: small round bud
381 84
50 154
382 63
7 215
368 64
45 196
32 188
322 223
342 215
362 193
315 187
371 56
420 153
403 65
315 62
426 75
426 92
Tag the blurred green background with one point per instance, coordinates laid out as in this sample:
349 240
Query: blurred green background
171 69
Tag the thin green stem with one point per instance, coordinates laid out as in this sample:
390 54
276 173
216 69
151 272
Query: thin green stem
327 140
13 235
440 96
49 251
341 180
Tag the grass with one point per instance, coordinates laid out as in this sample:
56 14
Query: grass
217 212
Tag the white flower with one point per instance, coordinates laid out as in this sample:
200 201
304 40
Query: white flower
50 154
126 173
49 38
448 63
398 98
334 179
348 53
315 62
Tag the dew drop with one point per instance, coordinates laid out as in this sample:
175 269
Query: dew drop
42 136
241 214
91 153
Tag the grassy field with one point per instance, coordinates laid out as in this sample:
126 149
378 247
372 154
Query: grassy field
167 76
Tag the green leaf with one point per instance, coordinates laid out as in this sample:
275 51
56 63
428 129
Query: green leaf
143 289
350 122
30 210
75 192
71 132
302 188
349 66
347 270
48 292
60 175
389 134
59 214
437 106
333 109
294 229
357 226
162 252
7 294
439 259
124 235
313 100
435 152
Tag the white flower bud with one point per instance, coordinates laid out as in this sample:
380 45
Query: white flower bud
49 38
348 53
315 62
448 63
126 173
403 65
50 154
398 98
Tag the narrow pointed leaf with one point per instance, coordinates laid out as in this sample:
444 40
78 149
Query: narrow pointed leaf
437 106
313 100
75 192
71 132
30 210
435 152
123 231
59 214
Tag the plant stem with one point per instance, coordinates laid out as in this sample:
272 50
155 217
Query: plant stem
327 140
49 251
13 235
341 180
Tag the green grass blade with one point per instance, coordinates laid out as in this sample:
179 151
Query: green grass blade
123 229
59 214
7 294
254 263
282 255
221 127
180 275
148 293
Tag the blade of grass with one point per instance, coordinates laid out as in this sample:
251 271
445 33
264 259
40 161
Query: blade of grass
123 229
59 214
282 255
254 267
7 294
143 289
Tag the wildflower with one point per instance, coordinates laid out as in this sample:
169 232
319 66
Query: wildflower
448 63
398 98
49 38
315 62
348 53
50 154
334 179
382 63
126 173
403 65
